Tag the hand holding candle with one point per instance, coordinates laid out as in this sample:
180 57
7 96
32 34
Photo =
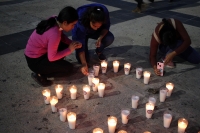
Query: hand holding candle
182 125
95 83
170 87
115 66
46 93
101 88
86 91
59 90
104 66
149 110
71 117
127 67
53 102
112 122
63 114
73 91
146 77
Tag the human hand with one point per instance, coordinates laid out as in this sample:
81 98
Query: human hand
169 57
84 70
157 71
98 42
72 46
78 45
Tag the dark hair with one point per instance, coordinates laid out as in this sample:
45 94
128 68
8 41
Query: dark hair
68 14
93 14
167 34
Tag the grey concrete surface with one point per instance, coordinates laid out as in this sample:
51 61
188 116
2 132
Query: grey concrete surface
22 105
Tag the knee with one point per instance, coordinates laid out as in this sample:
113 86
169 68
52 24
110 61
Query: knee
109 38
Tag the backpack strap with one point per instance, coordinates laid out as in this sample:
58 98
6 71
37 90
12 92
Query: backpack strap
173 23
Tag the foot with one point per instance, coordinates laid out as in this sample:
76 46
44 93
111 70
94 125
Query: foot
137 10
41 80
100 56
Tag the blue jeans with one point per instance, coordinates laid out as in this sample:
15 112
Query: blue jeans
190 54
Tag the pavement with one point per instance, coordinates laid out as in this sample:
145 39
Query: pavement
22 105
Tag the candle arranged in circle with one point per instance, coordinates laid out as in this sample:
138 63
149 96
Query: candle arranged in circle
125 115
71 117
101 89
95 83
182 125
115 66
139 71
112 122
96 68
46 93
63 114
53 102
59 91
167 118
127 67
104 66
122 131
152 100
86 91
73 91
170 87
97 130
146 77
90 77
135 100
163 94
149 110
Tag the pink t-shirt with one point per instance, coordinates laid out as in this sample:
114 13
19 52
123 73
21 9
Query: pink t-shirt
48 42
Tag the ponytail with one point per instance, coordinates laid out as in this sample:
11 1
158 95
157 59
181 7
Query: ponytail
45 25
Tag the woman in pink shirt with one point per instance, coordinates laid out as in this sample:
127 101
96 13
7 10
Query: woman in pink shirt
47 47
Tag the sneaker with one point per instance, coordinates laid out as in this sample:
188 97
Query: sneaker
41 80
170 65
100 56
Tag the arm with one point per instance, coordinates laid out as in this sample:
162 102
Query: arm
65 39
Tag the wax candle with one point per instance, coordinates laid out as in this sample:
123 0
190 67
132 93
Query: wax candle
139 71
53 102
182 125
135 100
63 114
167 118
86 91
149 110
71 117
96 68
90 77
163 94
101 88
152 100
146 77
122 131
112 122
104 66
95 84
97 130
73 91
127 67
115 66
170 87
147 132
46 93
59 91
125 115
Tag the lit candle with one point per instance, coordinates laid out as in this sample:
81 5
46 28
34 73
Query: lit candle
71 117
125 115
95 82
127 67
135 100
73 91
152 100
139 72
63 114
122 131
86 91
59 91
90 77
149 110
46 93
101 88
53 102
104 66
182 125
163 94
115 66
147 132
170 87
146 77
167 118
96 68
112 122
97 130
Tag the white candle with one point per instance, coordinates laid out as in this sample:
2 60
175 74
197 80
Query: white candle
101 88
135 100
59 91
73 91
97 130
104 66
53 102
112 122
167 118
127 67
86 91
63 114
170 87
96 68
95 82
146 77
71 117
90 77
182 125
152 100
147 132
139 72
46 93
149 110
122 131
163 94
115 66
125 115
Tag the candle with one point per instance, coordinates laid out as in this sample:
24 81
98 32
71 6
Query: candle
86 91
122 131
115 66
59 91
104 66
73 91
46 93
127 67
135 100
182 125
95 82
112 122
139 72
163 94
167 118
90 77
63 114
152 100
170 87
96 68
53 102
125 115
147 132
97 130
149 110
101 88
71 117
146 77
